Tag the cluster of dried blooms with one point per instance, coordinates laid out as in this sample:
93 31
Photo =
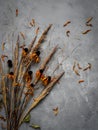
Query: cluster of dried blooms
18 84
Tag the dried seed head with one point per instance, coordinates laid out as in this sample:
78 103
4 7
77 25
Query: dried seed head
11 73
49 78
30 73
9 63
32 85
26 49
41 71
38 53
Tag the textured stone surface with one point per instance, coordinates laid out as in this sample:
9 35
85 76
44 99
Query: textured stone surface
77 103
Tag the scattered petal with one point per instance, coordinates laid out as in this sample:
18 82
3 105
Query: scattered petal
81 81
89 19
55 110
85 32
67 33
65 24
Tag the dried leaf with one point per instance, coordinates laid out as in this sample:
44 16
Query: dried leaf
35 126
56 111
27 118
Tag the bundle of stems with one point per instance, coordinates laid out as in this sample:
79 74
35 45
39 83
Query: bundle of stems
13 84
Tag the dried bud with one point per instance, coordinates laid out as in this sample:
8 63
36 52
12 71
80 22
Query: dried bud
30 73
26 49
38 53
9 63
32 85
41 71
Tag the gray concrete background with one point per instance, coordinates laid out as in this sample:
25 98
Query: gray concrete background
77 103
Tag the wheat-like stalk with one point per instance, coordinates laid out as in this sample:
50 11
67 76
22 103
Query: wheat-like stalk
14 85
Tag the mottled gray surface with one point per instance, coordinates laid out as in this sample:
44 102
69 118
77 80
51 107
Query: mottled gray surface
77 103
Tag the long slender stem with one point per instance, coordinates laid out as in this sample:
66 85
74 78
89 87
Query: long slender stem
41 96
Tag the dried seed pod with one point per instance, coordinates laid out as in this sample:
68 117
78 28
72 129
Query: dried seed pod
10 75
45 80
35 56
85 32
30 89
28 76
24 52
39 73
65 24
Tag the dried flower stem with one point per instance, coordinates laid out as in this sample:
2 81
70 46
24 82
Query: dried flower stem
43 66
41 96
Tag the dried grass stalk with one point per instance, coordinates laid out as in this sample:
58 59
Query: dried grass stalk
41 96
49 57
43 36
